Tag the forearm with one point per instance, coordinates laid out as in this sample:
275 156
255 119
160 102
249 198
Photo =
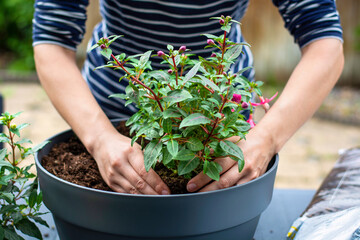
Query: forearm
69 93
313 78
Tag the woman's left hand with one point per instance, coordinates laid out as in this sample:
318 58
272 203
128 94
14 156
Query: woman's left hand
258 149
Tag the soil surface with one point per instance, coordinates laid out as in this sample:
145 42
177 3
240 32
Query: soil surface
72 162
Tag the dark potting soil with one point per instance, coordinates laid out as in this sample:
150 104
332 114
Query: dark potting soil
71 161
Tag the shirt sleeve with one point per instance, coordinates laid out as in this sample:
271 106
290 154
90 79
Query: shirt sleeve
60 22
309 20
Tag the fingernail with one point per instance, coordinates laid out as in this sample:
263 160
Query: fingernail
165 192
191 187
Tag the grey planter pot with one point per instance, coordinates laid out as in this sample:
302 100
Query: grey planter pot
85 213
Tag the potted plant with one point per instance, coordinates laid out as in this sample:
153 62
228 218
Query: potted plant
187 121
19 196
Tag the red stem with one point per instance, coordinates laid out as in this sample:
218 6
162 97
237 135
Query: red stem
138 82
223 46
176 70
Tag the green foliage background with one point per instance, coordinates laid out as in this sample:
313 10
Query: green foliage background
16 34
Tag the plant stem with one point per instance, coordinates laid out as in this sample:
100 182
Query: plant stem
223 47
156 98
210 90
12 145
176 70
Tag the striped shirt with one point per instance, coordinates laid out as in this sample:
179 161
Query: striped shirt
152 24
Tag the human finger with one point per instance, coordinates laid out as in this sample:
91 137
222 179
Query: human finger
151 178
227 179
136 181
202 179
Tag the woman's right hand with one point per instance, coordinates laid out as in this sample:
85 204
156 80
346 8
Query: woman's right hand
122 166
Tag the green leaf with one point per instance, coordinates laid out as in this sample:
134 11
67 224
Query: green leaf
22 126
22 141
191 73
15 131
233 53
167 157
16 216
171 113
226 28
113 38
173 147
144 59
209 36
258 91
133 119
167 125
93 47
151 153
8 197
208 82
170 47
243 70
39 220
241 164
194 119
230 120
212 169
232 149
216 102
161 76
7 209
2 233
2 158
39 146
118 95
32 198
106 53
188 166
194 144
4 139
6 178
185 155
177 95
29 228
10 234
189 131
120 57
39 198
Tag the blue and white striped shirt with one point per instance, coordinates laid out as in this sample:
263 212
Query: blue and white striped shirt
152 24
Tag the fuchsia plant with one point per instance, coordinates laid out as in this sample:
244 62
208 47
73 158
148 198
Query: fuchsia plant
189 110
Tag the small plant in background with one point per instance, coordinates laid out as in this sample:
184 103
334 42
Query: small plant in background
19 197
189 110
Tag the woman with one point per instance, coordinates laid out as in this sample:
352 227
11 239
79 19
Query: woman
82 97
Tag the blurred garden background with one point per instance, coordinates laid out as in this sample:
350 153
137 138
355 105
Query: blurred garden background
306 158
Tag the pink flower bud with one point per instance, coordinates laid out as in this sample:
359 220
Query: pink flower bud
182 49
221 21
236 98
210 42
106 40
160 53
170 71
103 46
213 55
244 105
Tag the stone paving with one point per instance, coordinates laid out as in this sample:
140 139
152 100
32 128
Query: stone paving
304 161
